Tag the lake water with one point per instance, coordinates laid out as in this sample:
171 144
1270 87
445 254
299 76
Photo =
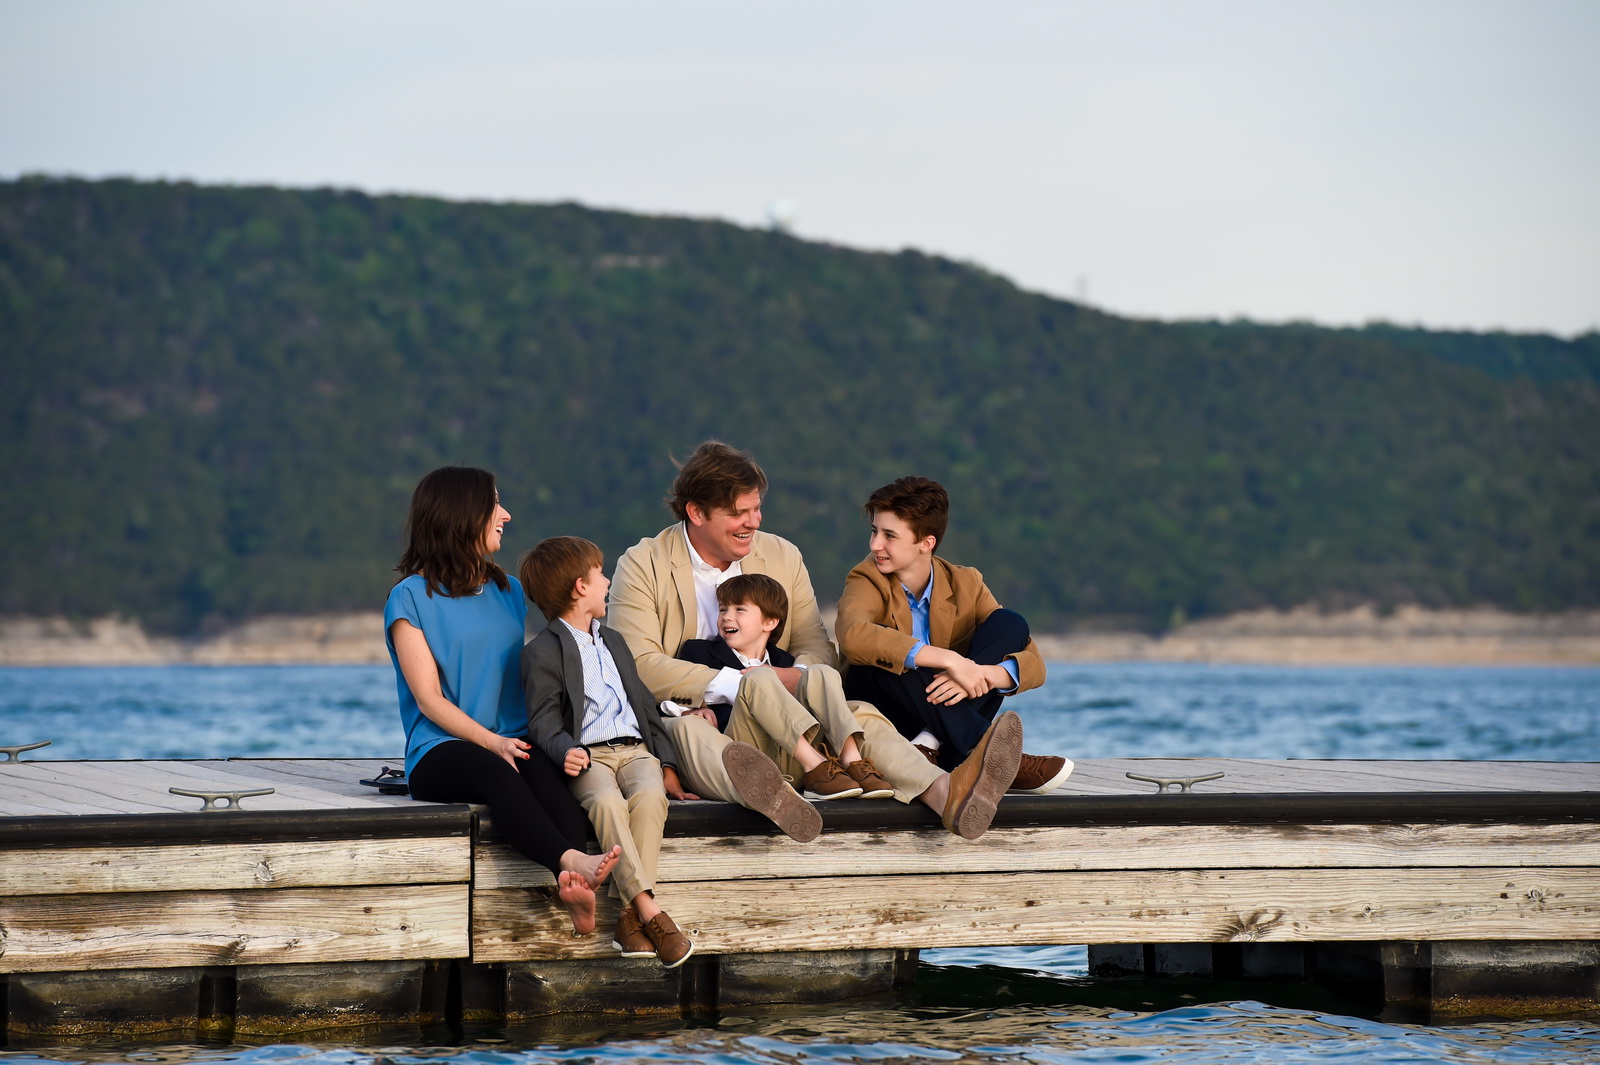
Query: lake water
1023 1004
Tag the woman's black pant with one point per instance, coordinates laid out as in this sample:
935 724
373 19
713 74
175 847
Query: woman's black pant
532 809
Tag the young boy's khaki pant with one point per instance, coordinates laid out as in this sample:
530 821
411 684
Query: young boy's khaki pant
623 795
768 718
771 720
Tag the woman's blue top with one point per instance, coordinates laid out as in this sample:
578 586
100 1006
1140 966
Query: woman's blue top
477 642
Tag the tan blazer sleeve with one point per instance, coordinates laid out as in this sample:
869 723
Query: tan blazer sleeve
644 608
1030 663
867 626
1030 667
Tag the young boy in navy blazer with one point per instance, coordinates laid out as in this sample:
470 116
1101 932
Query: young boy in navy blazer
751 611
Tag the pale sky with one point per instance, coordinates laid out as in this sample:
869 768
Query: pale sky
1432 162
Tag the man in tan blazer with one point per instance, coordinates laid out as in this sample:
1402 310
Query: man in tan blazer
927 642
664 592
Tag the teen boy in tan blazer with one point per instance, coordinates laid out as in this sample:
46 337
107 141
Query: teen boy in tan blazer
927 642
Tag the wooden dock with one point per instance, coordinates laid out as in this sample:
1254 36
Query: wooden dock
1453 886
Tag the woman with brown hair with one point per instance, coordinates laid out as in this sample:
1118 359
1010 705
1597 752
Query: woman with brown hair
454 625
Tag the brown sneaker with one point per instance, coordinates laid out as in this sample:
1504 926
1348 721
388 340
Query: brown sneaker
928 752
1039 773
630 937
762 788
672 946
873 786
828 781
977 784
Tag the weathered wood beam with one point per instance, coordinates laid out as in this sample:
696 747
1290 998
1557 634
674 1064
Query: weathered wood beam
1073 847
1243 905
295 925
234 866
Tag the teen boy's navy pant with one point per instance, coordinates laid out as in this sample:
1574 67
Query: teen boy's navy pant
903 697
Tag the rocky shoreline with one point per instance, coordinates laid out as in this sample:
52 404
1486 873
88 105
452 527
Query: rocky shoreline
1409 636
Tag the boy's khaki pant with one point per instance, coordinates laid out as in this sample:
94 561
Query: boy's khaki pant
622 793
771 720
768 718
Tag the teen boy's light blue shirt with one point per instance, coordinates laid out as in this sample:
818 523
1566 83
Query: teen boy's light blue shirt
919 629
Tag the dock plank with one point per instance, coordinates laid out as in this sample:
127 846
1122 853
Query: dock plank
1197 906
341 777
221 775
134 787
47 785
1246 776
165 929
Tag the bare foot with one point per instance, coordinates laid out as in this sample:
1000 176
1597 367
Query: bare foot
578 897
604 863
594 868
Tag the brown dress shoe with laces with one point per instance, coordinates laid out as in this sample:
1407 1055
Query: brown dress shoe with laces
977 784
873 786
1039 773
630 938
829 781
672 946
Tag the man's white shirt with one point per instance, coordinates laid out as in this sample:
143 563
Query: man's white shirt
724 687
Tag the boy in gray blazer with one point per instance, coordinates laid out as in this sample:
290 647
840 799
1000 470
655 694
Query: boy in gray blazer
592 715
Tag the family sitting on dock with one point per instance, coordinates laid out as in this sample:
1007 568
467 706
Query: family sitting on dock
713 676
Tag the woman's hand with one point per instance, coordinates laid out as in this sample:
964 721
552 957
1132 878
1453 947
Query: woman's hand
669 779
577 761
507 747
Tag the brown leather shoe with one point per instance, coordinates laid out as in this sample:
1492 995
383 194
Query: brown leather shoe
1039 773
829 781
977 784
762 788
630 937
672 946
928 752
873 786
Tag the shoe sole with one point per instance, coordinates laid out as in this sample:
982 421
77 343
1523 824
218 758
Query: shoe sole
680 961
762 788
817 796
1001 756
1050 785
632 953
885 793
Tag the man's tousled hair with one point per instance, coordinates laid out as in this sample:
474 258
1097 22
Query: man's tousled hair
714 477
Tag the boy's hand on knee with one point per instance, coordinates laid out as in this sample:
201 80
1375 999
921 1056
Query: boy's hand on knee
961 679
674 786
944 691
577 761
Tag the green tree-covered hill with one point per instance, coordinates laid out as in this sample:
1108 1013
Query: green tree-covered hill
215 401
